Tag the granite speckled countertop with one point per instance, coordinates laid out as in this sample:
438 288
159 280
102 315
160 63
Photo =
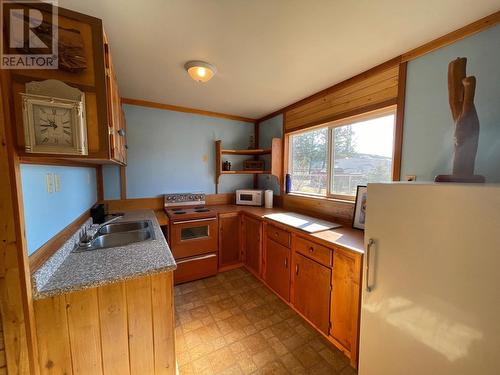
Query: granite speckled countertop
67 271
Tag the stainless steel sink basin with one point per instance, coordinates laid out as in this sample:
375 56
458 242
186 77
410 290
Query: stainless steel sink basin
120 234
124 227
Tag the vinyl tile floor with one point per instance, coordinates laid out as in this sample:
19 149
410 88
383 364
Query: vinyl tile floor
232 324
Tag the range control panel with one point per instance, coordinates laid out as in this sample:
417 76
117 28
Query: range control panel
184 199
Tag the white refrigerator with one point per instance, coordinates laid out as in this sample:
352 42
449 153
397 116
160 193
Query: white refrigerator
431 280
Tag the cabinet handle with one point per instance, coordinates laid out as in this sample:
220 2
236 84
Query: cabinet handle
121 132
311 249
286 262
276 234
297 269
368 287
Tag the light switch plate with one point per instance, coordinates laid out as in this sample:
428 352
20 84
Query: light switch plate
57 183
49 181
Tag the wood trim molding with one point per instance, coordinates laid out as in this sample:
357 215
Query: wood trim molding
445 40
398 128
470 29
52 161
40 256
169 107
123 183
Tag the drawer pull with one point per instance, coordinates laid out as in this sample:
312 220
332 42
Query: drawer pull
286 262
297 269
276 234
311 249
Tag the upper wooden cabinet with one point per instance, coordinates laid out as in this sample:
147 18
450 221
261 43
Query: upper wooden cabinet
93 74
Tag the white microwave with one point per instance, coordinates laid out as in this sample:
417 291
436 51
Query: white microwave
250 197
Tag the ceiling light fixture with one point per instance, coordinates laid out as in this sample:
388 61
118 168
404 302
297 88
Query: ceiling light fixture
200 71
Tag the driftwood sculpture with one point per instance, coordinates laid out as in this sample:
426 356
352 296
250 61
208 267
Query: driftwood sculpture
461 90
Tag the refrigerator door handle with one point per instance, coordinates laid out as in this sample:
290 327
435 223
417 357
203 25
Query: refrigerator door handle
369 287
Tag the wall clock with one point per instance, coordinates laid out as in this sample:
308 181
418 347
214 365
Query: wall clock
54 125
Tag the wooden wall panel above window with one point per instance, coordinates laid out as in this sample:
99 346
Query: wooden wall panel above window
348 98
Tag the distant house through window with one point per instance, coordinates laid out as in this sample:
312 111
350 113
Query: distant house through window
334 159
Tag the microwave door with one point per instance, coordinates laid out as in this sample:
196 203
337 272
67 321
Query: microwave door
246 197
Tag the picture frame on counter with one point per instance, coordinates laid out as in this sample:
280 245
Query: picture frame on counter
359 217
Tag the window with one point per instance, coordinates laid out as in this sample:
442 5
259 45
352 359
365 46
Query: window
333 160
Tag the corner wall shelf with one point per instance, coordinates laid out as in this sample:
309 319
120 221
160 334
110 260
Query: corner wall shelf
276 160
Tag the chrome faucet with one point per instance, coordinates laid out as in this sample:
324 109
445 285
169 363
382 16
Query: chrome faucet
87 240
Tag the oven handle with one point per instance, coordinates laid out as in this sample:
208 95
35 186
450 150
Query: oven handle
195 258
194 220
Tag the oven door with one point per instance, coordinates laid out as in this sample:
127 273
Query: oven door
193 237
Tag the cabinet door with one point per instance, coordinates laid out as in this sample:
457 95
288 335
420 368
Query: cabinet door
229 239
278 268
312 290
115 116
345 298
252 243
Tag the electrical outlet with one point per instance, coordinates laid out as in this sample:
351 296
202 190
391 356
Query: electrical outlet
57 183
49 181
411 178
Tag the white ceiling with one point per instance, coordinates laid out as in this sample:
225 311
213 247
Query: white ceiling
269 53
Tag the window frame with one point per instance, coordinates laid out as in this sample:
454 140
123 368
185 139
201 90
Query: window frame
330 155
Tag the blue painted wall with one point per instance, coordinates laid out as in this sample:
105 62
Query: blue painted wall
428 126
46 214
111 181
269 129
173 152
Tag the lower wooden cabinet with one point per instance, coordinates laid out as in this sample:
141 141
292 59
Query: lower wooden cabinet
312 290
278 268
345 299
252 243
229 239
125 327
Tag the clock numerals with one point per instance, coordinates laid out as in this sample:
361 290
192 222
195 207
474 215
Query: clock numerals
54 125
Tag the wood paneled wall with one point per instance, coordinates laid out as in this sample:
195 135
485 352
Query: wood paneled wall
16 307
121 328
360 94
328 209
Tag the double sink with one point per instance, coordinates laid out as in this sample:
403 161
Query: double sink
119 234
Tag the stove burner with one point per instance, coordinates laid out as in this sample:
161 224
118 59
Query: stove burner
176 209
179 212
199 207
201 210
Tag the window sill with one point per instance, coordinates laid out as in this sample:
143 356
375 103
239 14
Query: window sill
317 197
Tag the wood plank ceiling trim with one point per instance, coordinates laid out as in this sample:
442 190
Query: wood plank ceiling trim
169 107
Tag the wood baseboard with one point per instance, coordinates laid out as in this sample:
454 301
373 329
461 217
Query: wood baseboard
230 267
40 256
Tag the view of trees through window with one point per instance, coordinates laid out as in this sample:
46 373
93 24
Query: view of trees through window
361 152
309 160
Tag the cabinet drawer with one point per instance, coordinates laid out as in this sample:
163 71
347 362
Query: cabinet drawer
312 250
279 235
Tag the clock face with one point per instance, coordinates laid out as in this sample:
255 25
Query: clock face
52 126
